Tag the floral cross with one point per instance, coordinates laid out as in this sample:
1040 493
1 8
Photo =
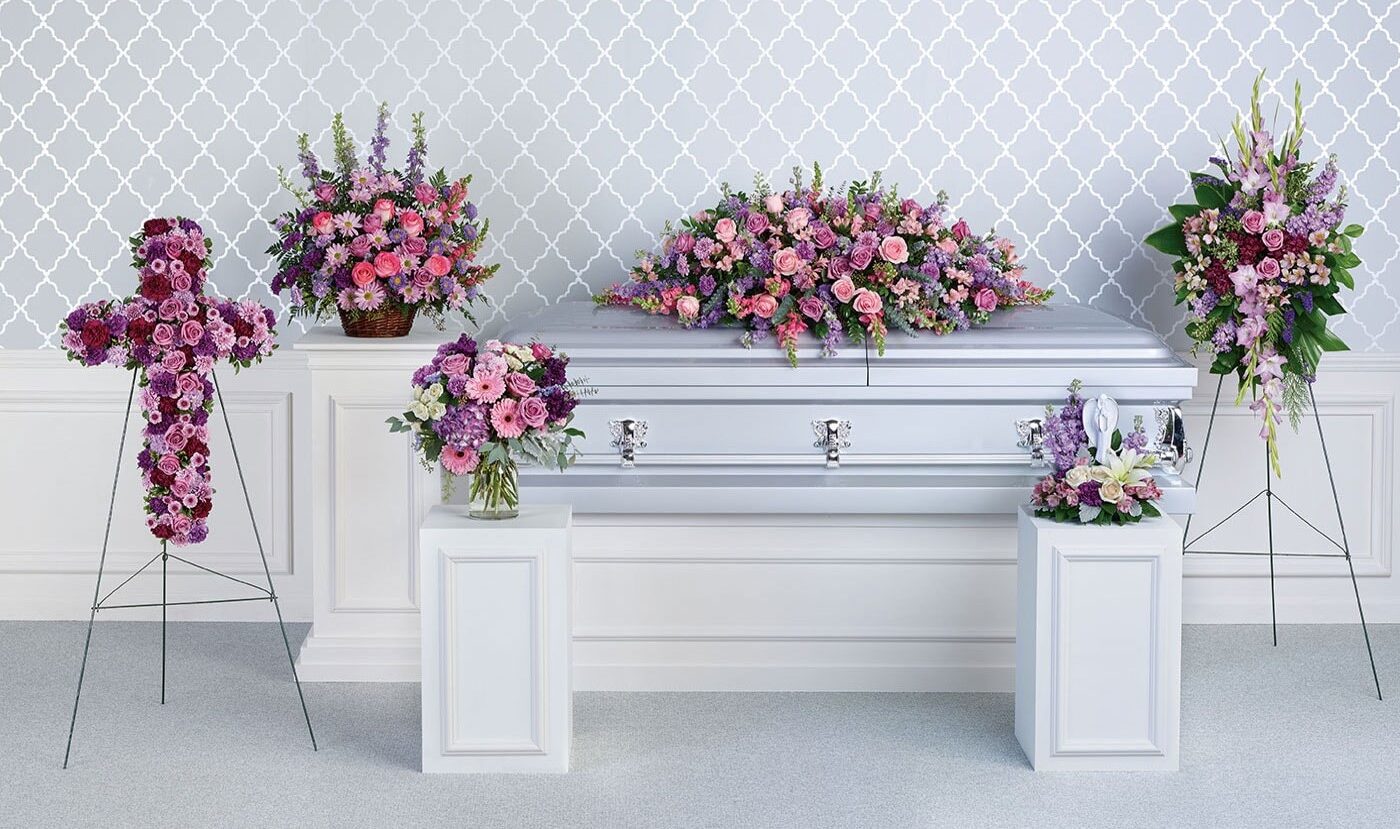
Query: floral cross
172 333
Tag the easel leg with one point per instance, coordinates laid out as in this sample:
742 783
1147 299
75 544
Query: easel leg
1346 547
272 592
1269 507
1205 452
101 563
164 570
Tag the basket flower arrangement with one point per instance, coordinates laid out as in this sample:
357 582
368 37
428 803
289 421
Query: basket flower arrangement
834 265
1092 487
173 334
376 245
478 409
1260 257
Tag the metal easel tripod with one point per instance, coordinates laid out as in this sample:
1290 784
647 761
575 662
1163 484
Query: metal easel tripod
99 601
1270 498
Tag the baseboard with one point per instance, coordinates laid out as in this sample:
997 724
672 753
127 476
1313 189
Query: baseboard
812 678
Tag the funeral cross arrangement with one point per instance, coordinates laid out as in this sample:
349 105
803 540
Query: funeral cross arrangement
1260 258
367 239
1098 478
173 334
840 265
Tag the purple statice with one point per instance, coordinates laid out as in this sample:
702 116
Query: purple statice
1322 186
1204 304
1224 337
1306 300
462 425
1290 318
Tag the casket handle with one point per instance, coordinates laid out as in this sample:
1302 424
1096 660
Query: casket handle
1170 446
833 436
1032 433
628 436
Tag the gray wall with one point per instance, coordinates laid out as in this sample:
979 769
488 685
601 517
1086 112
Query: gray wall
587 125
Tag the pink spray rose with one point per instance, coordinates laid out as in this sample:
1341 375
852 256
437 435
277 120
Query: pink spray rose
786 262
764 305
540 351
182 282
986 300
894 249
726 230
960 230
867 302
533 412
843 289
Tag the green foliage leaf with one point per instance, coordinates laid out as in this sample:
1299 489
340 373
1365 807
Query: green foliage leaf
1168 240
1181 212
1353 230
1344 277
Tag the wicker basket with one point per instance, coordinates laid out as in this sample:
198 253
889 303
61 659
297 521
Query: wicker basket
385 322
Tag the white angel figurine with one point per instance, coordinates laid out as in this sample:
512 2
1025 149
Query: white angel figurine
1100 421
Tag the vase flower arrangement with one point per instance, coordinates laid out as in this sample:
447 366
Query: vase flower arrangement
836 265
479 409
1260 257
173 334
1115 487
377 245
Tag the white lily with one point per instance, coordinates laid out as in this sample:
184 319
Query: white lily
1129 468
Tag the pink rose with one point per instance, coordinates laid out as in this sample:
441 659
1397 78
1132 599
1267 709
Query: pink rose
533 412
520 384
823 236
325 191
387 264
1253 221
960 231
415 246
726 230
786 262
359 247
1267 268
986 299
756 223
540 351
948 246
1273 238
861 257
163 334
455 364
843 289
188 383
169 464
838 267
191 332
438 265
773 203
173 360
372 223
411 222
764 305
867 302
688 307
362 274
872 211
182 282
323 223
894 249
684 243
811 307
797 218
422 278
384 209
424 193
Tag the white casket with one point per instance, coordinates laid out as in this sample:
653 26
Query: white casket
688 421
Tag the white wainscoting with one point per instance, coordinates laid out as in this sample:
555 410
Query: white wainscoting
60 425
682 601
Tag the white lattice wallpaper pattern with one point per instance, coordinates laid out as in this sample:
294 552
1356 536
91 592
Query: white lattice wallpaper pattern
587 124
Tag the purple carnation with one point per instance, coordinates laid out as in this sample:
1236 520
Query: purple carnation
1089 494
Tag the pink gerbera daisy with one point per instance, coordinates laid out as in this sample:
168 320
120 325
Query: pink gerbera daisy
459 460
506 420
369 297
486 387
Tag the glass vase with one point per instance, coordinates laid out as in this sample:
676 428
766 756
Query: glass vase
495 492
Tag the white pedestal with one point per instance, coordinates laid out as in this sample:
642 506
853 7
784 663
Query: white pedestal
497 696
368 496
1098 645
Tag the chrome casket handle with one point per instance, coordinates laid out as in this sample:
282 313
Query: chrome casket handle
628 436
833 436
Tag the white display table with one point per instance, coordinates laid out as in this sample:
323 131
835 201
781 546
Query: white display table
1098 645
497 695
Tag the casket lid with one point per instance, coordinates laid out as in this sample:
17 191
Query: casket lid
1021 346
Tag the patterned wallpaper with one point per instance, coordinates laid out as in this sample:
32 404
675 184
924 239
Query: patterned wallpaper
587 123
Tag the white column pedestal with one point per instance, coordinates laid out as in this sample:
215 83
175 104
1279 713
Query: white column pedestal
497 695
1098 645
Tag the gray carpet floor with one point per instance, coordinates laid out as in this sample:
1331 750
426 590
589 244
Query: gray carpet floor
1292 736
